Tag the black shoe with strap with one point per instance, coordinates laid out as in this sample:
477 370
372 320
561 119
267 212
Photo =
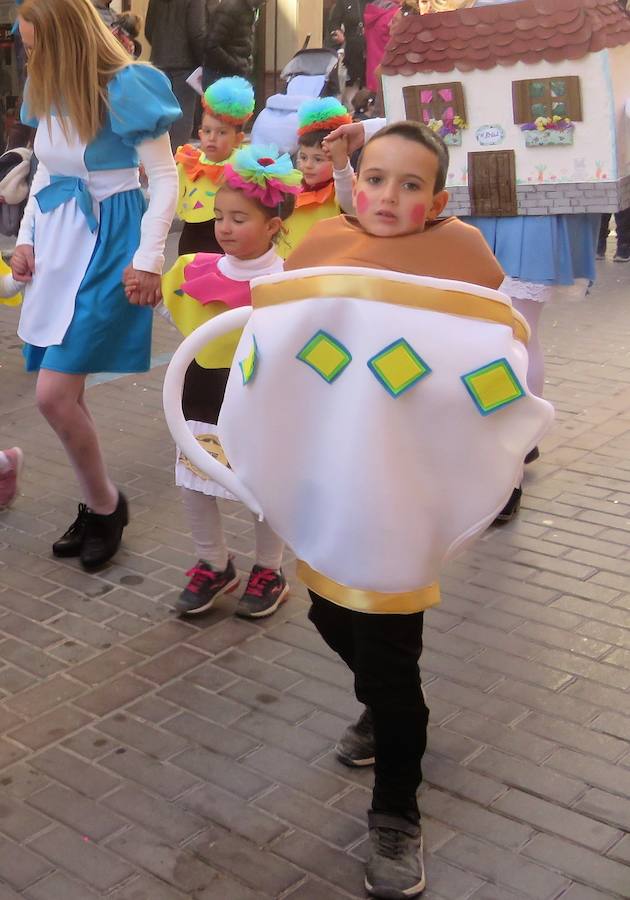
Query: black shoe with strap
71 541
395 867
103 535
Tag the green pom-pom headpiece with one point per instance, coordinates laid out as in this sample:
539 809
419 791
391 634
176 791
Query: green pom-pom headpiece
230 99
322 114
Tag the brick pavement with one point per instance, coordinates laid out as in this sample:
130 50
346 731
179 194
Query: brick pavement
146 758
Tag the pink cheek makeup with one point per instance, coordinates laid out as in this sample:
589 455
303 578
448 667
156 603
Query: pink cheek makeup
363 203
419 214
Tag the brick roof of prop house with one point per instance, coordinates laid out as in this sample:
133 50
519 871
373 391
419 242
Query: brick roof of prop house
526 31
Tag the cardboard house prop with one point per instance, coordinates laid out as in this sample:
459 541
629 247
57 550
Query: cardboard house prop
530 96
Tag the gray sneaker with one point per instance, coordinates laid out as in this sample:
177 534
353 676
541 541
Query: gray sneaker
395 869
356 745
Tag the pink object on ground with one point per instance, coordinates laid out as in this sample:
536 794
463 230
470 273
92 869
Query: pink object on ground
376 19
9 479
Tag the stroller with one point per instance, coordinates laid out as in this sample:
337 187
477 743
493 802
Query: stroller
310 73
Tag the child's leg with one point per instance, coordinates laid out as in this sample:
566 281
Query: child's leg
204 519
267 587
387 650
269 546
334 624
532 310
214 574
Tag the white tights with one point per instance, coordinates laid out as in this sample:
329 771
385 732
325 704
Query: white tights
531 310
204 518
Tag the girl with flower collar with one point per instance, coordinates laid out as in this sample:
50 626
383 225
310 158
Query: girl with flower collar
327 180
227 105
257 194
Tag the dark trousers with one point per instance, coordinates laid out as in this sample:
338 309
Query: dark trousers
383 653
181 130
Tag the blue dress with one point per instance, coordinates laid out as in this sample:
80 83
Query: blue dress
76 317
550 250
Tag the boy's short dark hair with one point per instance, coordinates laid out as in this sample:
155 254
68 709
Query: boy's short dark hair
313 138
420 134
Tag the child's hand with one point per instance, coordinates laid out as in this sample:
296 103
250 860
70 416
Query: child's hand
23 263
354 134
142 288
337 150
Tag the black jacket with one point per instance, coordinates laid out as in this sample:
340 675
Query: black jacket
230 40
176 30
349 13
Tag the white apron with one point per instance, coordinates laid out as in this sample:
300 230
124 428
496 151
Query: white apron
65 231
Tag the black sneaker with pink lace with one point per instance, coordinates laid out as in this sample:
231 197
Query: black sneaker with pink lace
205 585
265 591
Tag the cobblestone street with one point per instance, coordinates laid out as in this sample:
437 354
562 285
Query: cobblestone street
147 758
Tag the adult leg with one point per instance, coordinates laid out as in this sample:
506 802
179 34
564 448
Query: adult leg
603 235
622 222
61 400
531 310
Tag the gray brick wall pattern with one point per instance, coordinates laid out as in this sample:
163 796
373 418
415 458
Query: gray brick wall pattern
554 199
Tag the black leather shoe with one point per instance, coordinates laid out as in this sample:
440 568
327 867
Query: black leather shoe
510 509
69 544
103 535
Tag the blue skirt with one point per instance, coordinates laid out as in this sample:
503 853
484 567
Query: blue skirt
550 250
107 333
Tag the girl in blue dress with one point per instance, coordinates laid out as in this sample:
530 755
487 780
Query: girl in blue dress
97 116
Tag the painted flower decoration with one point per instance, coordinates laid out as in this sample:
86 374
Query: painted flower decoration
548 123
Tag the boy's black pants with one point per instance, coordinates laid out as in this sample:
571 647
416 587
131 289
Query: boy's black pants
383 652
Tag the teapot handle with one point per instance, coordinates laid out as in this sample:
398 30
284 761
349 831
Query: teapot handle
232 320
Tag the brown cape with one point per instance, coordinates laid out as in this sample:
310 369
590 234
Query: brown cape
447 248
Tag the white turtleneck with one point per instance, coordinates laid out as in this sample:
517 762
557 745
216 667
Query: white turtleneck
246 269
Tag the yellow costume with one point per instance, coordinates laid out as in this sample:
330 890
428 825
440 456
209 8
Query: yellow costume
199 180
310 207
16 299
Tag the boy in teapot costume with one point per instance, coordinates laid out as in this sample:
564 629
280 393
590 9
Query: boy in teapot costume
363 379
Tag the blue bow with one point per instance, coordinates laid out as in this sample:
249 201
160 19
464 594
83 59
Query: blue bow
63 188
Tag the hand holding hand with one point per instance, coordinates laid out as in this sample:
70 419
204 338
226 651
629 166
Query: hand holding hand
337 151
353 134
23 263
142 288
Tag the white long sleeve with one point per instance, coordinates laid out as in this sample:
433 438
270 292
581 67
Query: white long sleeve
371 126
27 225
344 180
9 286
157 158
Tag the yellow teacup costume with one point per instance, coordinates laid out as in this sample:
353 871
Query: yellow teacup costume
231 100
317 202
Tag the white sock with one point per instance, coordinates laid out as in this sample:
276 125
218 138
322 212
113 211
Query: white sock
204 519
5 463
269 546
532 310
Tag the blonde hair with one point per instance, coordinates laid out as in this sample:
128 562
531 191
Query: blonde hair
73 59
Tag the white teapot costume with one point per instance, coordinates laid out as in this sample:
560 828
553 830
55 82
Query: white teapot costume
391 415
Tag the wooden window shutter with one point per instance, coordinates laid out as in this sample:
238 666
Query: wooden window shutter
520 102
574 98
414 106
492 183
411 96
